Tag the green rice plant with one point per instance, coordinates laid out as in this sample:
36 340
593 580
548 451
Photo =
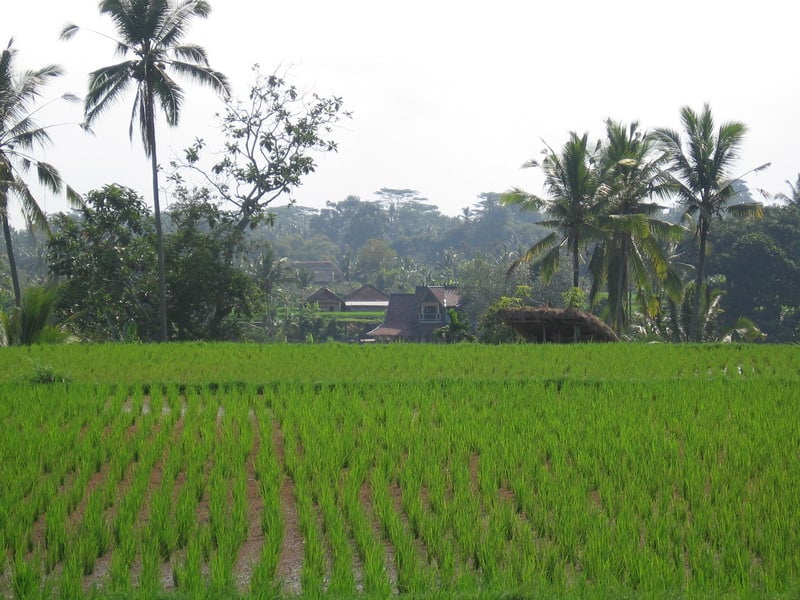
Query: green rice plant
221 582
121 560
313 572
342 581
149 578
370 549
188 573
26 578
70 583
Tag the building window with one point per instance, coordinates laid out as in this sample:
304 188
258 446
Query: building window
429 312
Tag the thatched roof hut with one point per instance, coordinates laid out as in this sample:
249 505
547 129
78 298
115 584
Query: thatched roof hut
559 325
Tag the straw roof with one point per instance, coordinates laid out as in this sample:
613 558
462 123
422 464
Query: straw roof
559 325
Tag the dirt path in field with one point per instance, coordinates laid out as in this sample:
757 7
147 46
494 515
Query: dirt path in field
250 550
365 498
290 562
396 495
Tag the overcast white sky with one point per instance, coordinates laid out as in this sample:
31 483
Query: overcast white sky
448 97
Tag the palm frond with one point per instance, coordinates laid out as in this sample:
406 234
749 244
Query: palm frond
31 211
169 95
26 135
174 24
191 53
106 85
549 241
549 263
48 176
69 31
204 75
522 199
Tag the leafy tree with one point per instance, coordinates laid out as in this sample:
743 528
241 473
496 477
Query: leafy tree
351 222
762 280
458 328
105 255
206 284
700 167
492 329
20 134
631 254
572 184
270 142
374 257
152 32
759 259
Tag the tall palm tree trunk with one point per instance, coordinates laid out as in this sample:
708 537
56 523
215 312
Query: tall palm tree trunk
162 278
699 280
576 261
618 282
12 263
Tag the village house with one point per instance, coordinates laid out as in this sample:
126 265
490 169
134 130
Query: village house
414 317
326 300
367 298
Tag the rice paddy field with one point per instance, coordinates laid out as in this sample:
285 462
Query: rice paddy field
270 471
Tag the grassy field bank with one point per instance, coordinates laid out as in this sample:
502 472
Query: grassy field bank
261 471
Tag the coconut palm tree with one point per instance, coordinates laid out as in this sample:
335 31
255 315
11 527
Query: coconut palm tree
151 33
700 173
632 256
793 197
571 183
20 135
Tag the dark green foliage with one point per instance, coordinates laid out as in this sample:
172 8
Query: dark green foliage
105 255
206 286
760 260
458 328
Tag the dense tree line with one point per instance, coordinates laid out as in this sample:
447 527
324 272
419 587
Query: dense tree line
229 284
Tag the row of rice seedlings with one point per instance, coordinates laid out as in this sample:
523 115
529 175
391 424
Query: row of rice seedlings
125 526
269 475
371 551
199 364
33 474
193 538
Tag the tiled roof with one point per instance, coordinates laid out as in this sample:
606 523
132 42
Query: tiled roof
446 295
403 313
323 295
366 293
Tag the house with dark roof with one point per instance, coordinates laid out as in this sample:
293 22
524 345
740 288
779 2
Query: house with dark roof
414 317
366 298
326 300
